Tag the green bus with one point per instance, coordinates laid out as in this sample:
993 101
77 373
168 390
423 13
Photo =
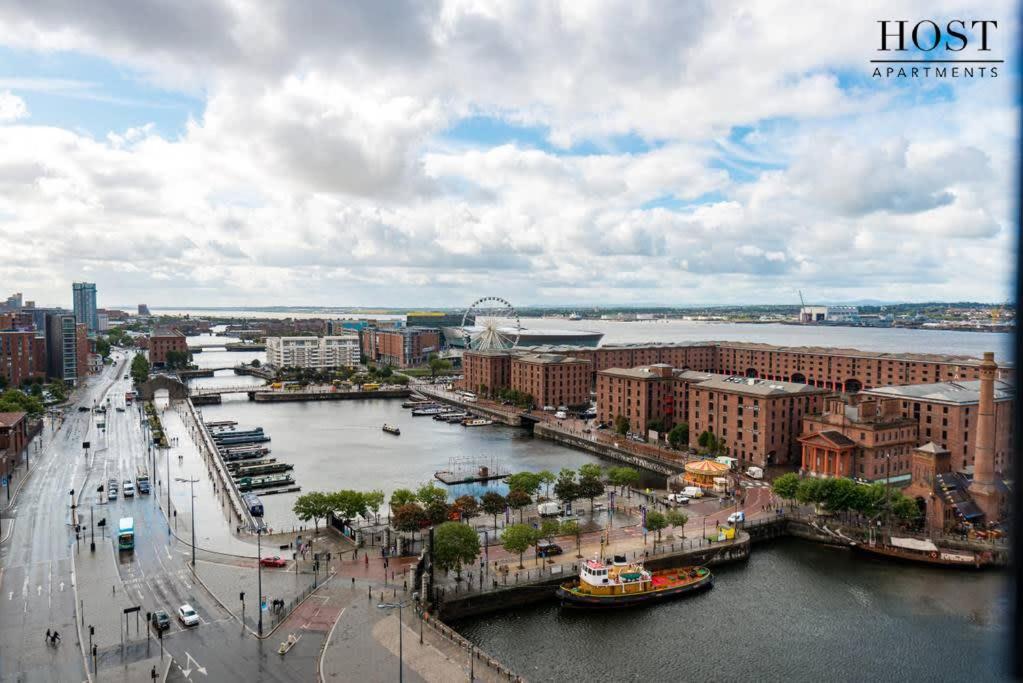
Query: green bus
126 534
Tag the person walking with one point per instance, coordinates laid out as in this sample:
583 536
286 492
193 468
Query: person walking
47 635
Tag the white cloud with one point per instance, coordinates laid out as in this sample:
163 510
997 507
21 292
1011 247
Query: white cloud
319 164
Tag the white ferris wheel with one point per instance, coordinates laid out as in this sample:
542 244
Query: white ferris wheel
491 323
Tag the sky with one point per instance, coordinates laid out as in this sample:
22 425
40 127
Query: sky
425 153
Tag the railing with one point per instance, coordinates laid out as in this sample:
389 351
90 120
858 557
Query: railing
450 634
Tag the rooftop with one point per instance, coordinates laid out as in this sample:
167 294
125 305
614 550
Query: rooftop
548 358
958 393
11 419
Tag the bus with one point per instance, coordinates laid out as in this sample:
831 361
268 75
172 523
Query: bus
126 534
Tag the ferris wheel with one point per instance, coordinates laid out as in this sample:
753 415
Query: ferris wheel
491 323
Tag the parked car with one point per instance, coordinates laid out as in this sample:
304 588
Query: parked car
83 409
187 615
737 517
547 549
561 415
693 492
160 620
548 409
678 499
274 561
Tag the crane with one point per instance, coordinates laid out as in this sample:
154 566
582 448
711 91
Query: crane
802 304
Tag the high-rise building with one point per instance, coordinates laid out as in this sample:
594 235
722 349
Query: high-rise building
62 347
337 351
144 309
85 305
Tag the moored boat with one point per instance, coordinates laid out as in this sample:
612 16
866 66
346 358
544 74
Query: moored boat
924 552
392 429
477 422
625 584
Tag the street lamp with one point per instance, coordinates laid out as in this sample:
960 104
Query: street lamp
191 486
399 605
259 575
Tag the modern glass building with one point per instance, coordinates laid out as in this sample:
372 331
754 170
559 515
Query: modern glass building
85 305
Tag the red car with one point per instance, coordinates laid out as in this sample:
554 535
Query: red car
274 561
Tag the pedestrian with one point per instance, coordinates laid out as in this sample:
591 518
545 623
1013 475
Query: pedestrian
47 634
353 582
366 558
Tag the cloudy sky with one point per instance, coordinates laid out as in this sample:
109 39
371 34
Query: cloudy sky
393 153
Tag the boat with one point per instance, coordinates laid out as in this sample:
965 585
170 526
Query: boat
626 584
421 412
925 552
268 468
477 422
418 403
392 429
575 316
264 481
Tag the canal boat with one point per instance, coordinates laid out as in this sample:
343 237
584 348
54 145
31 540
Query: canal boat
627 584
924 551
265 481
422 412
392 429
477 422
269 468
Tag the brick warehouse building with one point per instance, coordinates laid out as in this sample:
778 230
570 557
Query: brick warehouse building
82 350
405 347
13 439
757 421
551 379
487 372
163 341
22 356
864 438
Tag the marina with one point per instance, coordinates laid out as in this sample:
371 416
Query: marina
470 469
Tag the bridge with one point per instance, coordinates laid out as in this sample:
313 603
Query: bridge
216 391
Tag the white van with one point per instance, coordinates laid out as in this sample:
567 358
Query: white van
737 517
755 472
678 499
561 415
692 492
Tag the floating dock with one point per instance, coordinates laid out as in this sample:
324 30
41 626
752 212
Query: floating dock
468 469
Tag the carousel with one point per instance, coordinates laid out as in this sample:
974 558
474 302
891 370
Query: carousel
703 472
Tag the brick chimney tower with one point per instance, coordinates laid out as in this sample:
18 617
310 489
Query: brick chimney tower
983 488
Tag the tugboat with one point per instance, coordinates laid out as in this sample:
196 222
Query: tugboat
625 584
392 429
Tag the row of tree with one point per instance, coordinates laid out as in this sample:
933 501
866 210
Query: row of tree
345 504
845 495
17 401
139 368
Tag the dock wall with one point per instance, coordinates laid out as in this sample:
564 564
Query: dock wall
606 450
291 396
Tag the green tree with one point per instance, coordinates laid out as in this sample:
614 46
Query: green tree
401 497
374 501
905 508
572 528
549 528
431 493
622 425
704 440
17 401
591 469
312 506
493 503
438 366
527 482
348 504
547 478
177 360
139 368
590 487
467 507
103 347
255 363
410 517
518 538
566 488
655 521
623 476
455 545
786 485
679 435
677 518
518 500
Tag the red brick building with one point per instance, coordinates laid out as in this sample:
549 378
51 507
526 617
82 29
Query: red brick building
948 413
163 341
641 395
13 439
406 346
22 357
863 439
486 372
551 379
82 349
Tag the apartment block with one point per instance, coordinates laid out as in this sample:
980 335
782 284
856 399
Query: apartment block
321 353
551 379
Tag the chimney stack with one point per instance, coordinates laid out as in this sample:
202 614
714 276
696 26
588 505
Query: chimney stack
983 488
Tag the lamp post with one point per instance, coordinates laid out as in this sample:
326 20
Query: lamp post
191 486
399 606
259 576
167 454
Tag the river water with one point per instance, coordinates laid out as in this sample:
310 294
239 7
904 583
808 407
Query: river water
795 611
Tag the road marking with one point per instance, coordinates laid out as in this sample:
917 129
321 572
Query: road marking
61 586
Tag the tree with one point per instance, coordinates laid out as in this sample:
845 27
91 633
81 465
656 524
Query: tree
655 521
255 363
409 517
374 501
467 507
549 529
517 538
139 368
591 469
677 518
566 488
679 435
431 493
904 507
17 401
438 366
547 478
177 359
517 500
401 497
572 528
454 545
527 482
493 503
590 487
656 424
704 439
786 485
103 347
622 477
312 506
348 504
437 511
622 425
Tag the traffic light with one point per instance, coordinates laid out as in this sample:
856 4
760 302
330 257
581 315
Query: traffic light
99 489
